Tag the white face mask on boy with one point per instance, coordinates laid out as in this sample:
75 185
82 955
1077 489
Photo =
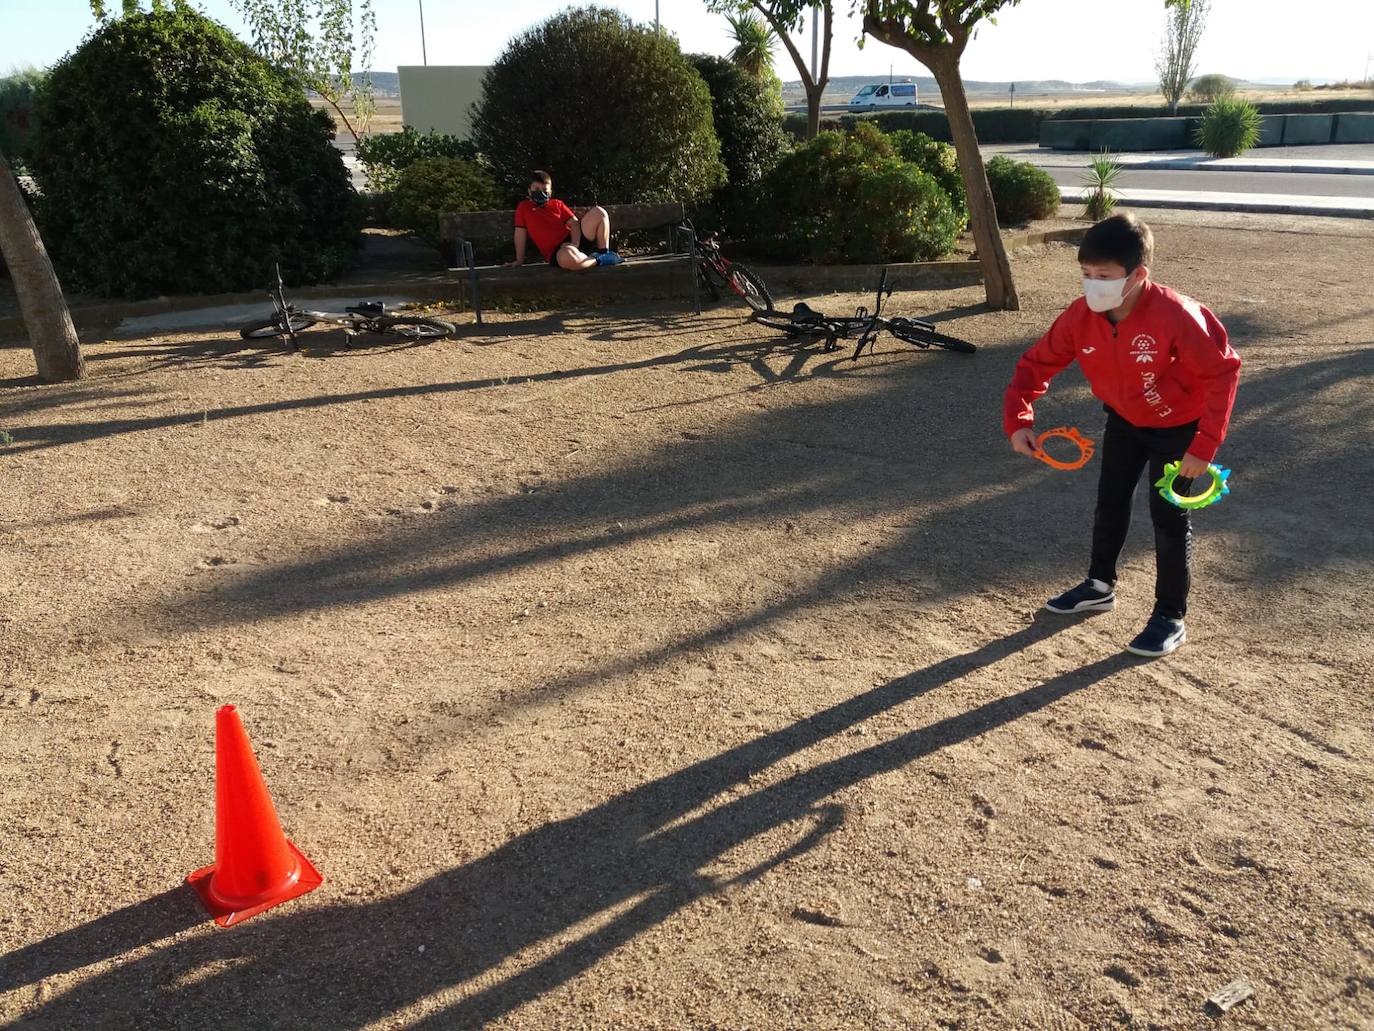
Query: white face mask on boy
1105 294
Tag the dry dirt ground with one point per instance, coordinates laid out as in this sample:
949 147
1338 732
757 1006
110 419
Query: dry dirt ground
631 669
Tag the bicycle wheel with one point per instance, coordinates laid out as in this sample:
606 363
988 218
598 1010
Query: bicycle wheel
777 320
415 328
745 282
273 328
905 331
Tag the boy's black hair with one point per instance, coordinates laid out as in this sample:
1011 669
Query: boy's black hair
1122 239
540 176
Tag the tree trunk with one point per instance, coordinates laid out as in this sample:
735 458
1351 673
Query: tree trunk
813 109
55 344
997 280
813 89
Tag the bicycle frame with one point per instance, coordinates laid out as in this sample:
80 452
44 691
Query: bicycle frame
352 323
867 324
708 251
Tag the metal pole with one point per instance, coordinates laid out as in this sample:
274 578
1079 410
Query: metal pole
424 51
657 31
815 41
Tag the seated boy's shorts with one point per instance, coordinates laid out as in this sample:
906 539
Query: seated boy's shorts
553 258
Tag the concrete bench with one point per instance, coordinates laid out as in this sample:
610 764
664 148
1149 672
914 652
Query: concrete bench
458 230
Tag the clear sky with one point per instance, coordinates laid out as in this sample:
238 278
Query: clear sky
1077 40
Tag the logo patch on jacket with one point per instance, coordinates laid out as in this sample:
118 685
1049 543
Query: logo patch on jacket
1143 347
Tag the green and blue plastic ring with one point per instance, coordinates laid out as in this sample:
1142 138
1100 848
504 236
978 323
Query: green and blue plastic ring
1218 489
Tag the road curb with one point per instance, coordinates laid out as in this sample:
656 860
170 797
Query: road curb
1257 203
107 315
1186 165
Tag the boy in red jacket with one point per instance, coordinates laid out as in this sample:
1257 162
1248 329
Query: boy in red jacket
1166 374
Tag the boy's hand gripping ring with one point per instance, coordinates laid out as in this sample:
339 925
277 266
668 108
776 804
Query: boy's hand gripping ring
1214 493
1085 448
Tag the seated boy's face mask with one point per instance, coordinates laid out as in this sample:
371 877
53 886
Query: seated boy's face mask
539 197
1105 294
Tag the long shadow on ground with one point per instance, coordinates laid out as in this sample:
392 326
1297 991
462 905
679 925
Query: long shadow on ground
633 861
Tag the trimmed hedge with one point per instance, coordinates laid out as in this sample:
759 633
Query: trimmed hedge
18 93
429 187
747 113
172 158
937 160
384 156
1022 124
849 199
611 109
1021 191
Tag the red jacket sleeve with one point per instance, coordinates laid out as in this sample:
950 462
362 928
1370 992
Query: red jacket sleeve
1050 356
1211 366
520 210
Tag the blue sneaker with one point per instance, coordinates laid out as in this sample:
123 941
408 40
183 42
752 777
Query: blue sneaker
609 258
1089 596
1161 636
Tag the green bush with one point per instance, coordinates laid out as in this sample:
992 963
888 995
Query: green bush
1229 127
850 199
937 160
1021 191
173 158
431 186
385 155
610 108
17 95
1207 88
747 115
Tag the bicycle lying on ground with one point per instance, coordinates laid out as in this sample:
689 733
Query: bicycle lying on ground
368 317
806 321
716 273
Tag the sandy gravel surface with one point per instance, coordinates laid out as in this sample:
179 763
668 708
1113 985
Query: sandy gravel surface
629 668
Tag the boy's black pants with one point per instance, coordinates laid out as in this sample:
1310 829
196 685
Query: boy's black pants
1126 451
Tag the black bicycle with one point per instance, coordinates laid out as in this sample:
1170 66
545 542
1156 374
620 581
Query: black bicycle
717 273
367 317
804 320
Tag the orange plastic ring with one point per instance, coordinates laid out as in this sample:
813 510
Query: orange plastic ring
1085 448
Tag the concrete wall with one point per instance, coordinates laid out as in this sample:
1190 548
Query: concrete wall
1271 130
1303 129
438 97
1118 134
1354 128
1181 133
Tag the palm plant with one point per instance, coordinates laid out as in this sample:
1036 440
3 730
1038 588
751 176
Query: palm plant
1101 175
754 43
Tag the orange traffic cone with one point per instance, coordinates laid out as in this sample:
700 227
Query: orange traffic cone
255 866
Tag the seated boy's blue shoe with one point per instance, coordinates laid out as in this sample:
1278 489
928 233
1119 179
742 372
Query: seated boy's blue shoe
1089 596
1161 636
609 258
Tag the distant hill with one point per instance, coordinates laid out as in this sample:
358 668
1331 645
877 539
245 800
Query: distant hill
384 84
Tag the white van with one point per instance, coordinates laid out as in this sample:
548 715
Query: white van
879 95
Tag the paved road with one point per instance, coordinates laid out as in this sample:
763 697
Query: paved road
1306 185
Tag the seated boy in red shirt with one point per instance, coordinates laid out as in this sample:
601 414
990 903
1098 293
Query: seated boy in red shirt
1166 374
561 238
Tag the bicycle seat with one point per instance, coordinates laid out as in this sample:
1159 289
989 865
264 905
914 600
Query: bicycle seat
368 309
803 312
